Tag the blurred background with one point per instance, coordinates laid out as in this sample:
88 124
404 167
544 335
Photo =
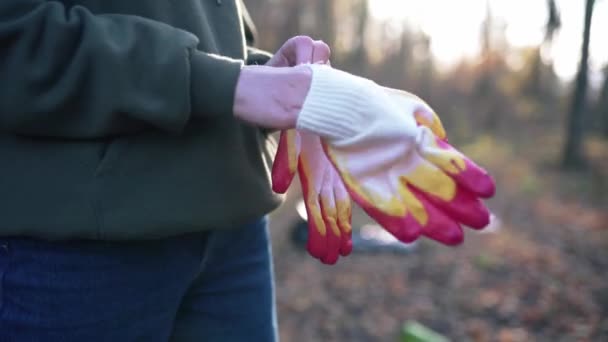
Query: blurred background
522 88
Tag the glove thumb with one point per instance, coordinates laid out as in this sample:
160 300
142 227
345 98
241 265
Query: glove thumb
285 162
423 113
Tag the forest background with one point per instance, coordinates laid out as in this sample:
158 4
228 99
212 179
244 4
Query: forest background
522 88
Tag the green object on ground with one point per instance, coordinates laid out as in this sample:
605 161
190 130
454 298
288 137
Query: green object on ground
415 332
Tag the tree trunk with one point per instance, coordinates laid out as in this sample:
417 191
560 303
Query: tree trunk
554 21
358 59
326 21
291 21
573 154
602 105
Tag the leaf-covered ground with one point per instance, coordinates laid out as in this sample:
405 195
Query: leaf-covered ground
541 276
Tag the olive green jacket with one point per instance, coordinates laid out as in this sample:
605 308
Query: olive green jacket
116 119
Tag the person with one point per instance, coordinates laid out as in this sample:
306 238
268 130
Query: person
134 184
136 180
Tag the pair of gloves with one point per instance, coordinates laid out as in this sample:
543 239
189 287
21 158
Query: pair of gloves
386 150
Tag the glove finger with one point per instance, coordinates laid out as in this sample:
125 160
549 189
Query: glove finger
431 221
344 208
429 178
438 226
464 171
431 120
465 208
391 215
285 162
404 227
420 217
317 230
449 234
333 235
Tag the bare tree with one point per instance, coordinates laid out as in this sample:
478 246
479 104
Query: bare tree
572 153
325 19
602 105
554 21
358 57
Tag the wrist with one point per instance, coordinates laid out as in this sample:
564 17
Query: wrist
271 97
336 105
293 86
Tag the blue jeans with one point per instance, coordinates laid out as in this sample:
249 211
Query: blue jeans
212 286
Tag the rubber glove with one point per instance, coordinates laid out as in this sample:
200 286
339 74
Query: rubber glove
326 200
328 205
388 147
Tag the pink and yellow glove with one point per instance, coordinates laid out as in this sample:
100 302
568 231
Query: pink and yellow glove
326 200
390 150
328 205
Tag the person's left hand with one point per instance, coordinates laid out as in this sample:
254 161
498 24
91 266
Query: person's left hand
327 202
298 50
270 96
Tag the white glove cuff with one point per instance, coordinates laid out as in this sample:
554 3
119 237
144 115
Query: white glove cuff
332 104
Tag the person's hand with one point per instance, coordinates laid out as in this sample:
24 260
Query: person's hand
300 49
273 97
327 203
388 147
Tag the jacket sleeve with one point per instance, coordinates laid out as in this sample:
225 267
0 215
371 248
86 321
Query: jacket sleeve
70 73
